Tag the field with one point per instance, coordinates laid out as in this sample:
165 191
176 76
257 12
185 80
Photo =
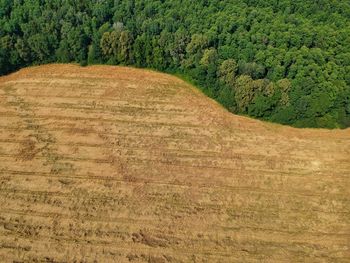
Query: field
113 164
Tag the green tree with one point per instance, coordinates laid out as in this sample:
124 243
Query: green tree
125 47
228 71
244 92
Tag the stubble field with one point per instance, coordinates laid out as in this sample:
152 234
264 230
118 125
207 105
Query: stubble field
113 164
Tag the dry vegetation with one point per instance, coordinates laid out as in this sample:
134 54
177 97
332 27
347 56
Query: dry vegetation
111 164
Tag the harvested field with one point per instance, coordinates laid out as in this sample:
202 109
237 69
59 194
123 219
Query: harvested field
113 164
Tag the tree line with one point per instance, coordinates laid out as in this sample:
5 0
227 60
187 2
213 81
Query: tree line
286 61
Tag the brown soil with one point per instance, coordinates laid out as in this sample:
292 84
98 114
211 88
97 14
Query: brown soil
113 164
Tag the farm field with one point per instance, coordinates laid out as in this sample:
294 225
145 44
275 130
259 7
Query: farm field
115 164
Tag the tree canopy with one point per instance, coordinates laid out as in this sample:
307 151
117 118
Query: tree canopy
284 61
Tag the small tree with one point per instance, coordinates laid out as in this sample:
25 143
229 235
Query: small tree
227 72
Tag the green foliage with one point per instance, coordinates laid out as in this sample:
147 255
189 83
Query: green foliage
283 61
262 106
227 72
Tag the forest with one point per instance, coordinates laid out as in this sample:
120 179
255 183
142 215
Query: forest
284 61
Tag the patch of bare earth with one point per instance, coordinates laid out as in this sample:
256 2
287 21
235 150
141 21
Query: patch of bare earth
112 164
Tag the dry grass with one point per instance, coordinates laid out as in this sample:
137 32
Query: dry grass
112 164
